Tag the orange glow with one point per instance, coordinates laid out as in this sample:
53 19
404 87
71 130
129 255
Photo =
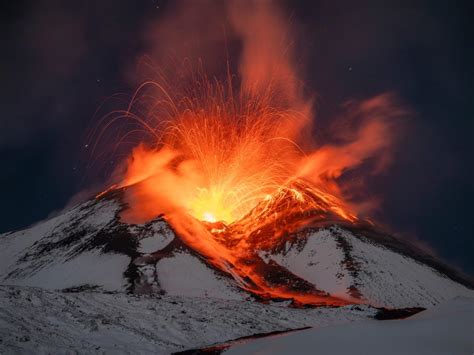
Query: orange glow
237 151
214 161
219 158
227 159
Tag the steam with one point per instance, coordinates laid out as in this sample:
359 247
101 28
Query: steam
267 63
373 137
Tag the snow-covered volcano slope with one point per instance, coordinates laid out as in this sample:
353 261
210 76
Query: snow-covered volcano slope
350 265
88 247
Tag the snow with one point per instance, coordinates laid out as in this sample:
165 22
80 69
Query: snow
186 275
13 245
34 320
38 256
158 236
384 278
319 262
43 267
54 268
444 329
393 280
89 268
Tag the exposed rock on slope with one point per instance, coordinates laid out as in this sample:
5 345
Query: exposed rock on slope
89 247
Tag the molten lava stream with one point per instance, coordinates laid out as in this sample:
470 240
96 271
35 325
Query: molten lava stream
235 261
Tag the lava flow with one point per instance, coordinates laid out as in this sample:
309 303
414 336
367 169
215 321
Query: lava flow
229 163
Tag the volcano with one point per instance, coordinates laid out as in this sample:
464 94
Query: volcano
144 287
309 253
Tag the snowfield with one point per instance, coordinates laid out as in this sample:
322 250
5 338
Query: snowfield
185 274
445 329
34 320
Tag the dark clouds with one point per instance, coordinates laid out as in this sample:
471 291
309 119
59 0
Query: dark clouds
60 59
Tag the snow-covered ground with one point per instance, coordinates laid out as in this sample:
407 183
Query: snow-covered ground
185 274
86 282
445 329
35 320
382 277
50 255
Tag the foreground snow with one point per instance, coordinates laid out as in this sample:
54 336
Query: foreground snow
445 329
34 320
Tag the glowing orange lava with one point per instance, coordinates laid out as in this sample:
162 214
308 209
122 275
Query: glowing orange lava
237 151
218 158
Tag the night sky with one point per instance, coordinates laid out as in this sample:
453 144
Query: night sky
61 59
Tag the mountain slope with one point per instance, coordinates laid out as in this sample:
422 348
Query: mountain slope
347 265
88 247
